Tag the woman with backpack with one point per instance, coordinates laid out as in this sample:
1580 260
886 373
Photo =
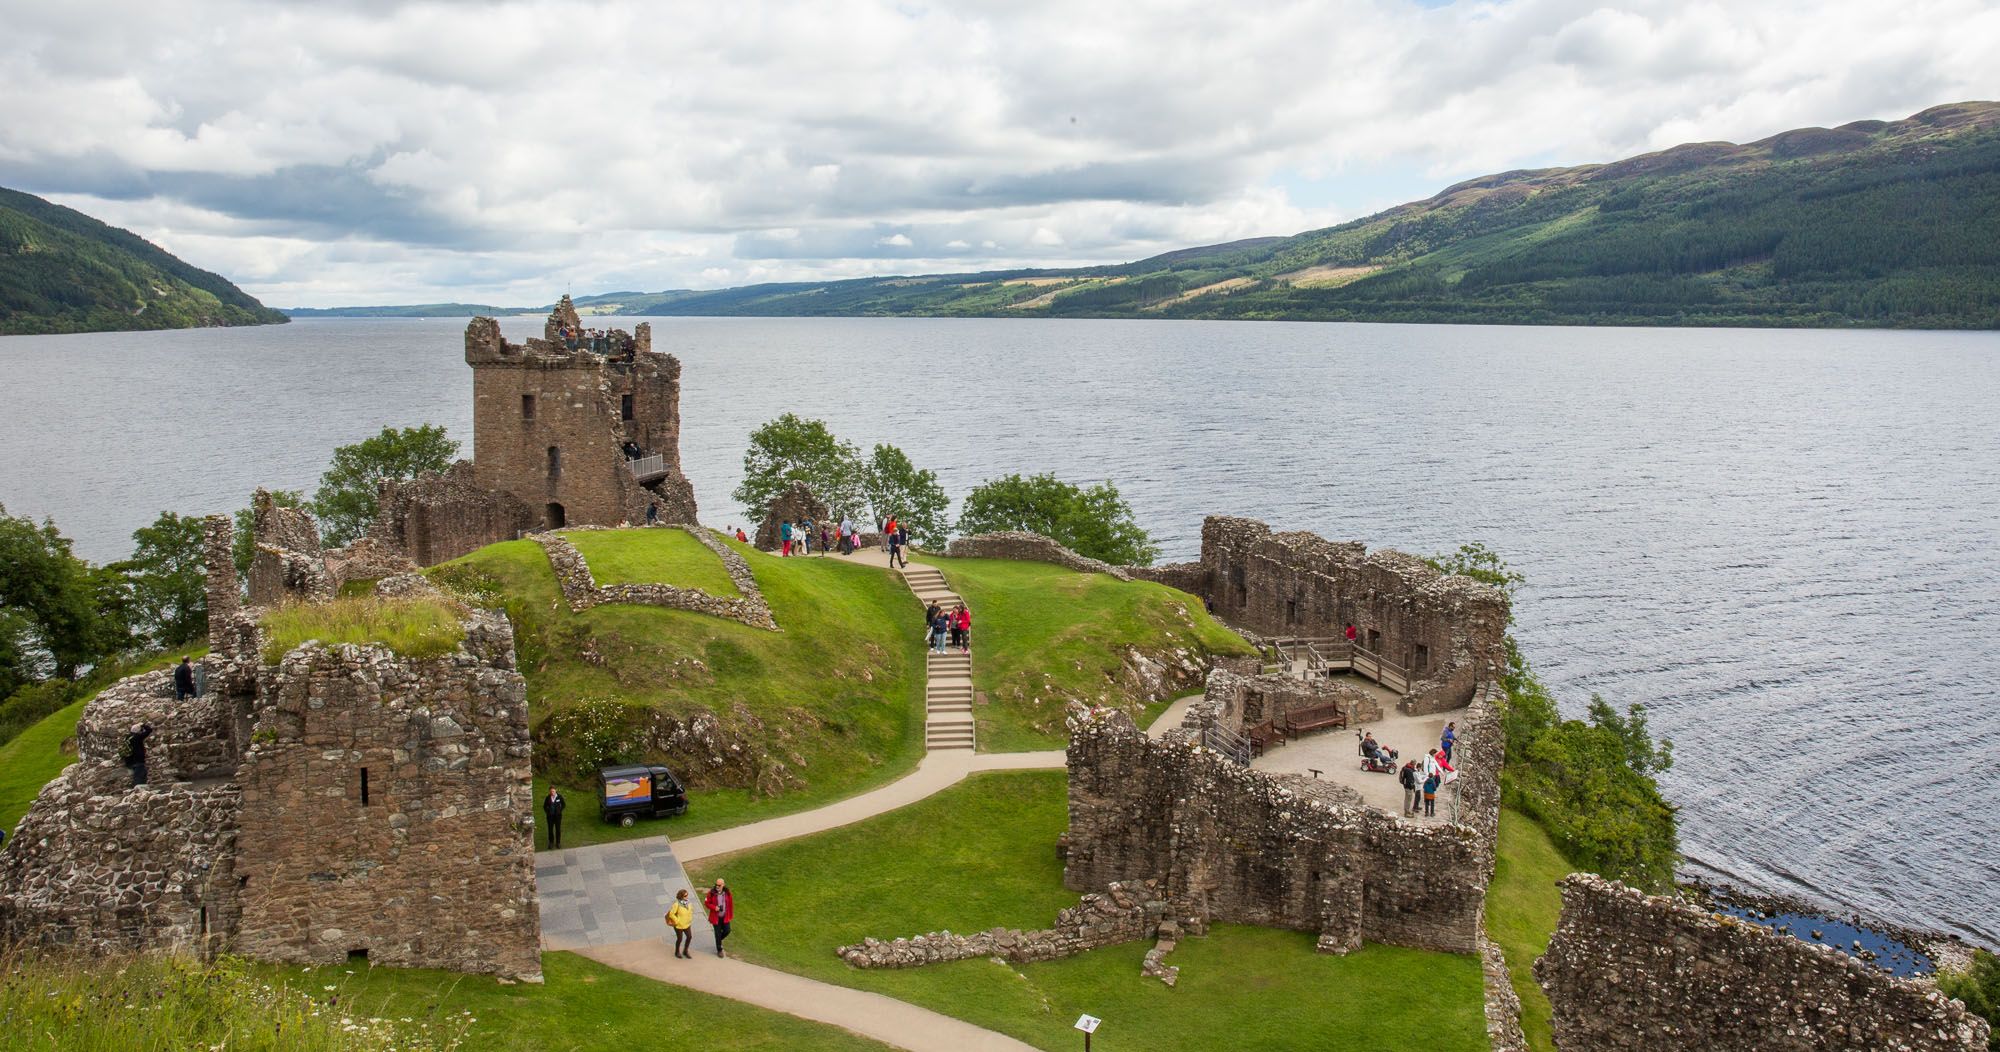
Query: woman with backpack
680 917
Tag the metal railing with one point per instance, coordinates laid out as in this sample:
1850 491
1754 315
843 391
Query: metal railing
1227 742
648 467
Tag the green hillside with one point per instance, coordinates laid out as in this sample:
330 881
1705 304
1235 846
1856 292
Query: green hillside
1872 223
62 271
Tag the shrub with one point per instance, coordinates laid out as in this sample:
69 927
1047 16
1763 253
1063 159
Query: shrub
1979 987
1095 523
413 628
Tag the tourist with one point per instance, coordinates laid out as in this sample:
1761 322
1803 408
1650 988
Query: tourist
653 513
184 680
825 540
940 626
721 912
552 809
1350 633
804 533
1412 792
962 625
1431 767
1450 738
740 538
891 542
785 537
680 917
903 544
1431 796
135 753
931 616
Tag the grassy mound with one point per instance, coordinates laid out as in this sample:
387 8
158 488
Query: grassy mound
165 1004
33 758
1522 907
656 556
982 854
1043 636
829 706
414 628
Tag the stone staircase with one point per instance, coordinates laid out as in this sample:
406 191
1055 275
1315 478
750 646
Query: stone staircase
948 693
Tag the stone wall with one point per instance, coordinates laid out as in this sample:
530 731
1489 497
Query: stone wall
1123 912
253 834
439 517
1227 843
550 424
1272 696
1628 971
1028 547
795 504
288 565
581 591
367 559
1188 577
1447 631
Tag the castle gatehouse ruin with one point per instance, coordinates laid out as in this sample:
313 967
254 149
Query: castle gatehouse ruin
330 802
567 430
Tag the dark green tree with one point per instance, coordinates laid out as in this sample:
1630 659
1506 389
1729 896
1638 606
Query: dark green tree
169 582
897 487
345 500
58 614
243 546
1979 987
792 449
1094 522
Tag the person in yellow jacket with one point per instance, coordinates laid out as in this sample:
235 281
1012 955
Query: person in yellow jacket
680 917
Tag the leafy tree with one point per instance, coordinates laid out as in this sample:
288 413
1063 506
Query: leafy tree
896 487
345 500
791 449
243 547
58 613
1979 987
1094 522
1482 564
169 582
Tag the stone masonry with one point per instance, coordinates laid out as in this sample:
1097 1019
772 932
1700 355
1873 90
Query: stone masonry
344 800
1449 632
795 504
581 591
442 516
1029 547
1123 912
1627 972
288 564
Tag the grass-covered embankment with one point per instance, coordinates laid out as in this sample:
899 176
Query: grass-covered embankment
655 556
1043 636
165 1004
1522 907
413 627
829 706
982 854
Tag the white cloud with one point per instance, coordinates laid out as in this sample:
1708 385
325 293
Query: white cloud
384 151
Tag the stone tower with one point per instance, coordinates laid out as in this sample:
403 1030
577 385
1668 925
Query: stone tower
582 430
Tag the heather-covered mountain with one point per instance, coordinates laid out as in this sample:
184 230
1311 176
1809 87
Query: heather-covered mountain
62 271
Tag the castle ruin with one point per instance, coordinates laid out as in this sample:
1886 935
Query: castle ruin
567 430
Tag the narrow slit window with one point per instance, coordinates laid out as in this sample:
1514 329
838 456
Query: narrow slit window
625 407
555 462
364 787
527 407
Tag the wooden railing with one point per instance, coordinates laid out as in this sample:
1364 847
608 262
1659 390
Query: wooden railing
1328 655
1227 742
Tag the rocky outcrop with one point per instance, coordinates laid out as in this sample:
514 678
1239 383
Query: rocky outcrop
1627 972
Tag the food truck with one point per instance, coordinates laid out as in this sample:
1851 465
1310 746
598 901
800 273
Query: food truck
627 794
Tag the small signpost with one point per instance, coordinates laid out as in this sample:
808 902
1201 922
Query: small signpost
1087 1024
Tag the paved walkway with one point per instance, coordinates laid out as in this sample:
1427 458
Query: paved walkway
611 893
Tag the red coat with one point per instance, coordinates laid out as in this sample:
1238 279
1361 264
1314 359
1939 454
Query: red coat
722 908
964 619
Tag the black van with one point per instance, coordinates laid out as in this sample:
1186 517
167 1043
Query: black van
627 794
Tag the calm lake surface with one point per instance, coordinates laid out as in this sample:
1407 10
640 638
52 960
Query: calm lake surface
1786 543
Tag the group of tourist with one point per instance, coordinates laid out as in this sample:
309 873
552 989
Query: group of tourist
1421 783
803 536
596 341
721 906
948 629
896 538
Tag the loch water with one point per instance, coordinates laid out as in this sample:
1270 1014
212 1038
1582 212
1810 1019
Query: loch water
1785 543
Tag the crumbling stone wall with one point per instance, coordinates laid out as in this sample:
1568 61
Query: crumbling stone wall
550 424
581 591
367 559
1627 971
439 517
1254 699
253 834
1448 632
1188 577
796 503
1123 912
1227 843
289 564
1028 547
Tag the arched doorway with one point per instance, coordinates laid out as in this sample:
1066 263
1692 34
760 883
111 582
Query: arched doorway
555 516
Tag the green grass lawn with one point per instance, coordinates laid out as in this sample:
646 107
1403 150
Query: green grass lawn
652 556
29 761
1522 907
174 1005
982 854
412 627
1043 635
836 696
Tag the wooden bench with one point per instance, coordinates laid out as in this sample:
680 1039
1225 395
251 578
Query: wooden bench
1314 718
1263 736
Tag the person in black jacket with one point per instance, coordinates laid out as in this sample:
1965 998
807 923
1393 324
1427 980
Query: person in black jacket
183 680
1413 795
135 752
552 809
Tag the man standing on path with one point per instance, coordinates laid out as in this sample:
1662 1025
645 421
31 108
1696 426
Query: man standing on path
785 536
1413 796
890 541
135 753
552 809
183 680
721 911
652 513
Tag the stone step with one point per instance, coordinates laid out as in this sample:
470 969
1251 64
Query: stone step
938 720
950 730
944 746
964 708
948 695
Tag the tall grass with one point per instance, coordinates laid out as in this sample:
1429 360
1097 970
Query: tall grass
170 1004
413 628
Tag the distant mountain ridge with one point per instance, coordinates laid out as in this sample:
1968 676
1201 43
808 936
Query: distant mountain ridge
1874 223
62 271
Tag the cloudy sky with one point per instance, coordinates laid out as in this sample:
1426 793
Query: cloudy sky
331 153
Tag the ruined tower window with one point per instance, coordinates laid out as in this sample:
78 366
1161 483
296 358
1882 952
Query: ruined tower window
1423 661
555 462
553 515
1291 611
527 407
364 787
1375 641
624 407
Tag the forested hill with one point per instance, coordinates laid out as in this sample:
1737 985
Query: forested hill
62 271
1871 223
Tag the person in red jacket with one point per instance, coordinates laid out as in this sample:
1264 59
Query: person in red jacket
961 626
721 910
